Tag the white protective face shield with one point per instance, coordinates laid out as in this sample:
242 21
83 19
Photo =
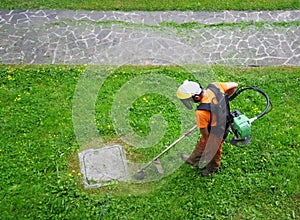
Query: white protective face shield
186 91
188 103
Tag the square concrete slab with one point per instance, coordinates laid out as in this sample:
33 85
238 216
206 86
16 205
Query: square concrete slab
99 167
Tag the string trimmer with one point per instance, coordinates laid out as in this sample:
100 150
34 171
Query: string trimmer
140 174
240 126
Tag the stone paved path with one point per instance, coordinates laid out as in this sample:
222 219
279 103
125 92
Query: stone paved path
79 37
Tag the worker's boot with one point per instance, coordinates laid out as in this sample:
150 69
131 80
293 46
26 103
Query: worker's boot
187 159
212 167
209 171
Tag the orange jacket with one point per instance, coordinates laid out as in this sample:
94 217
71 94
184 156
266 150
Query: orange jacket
202 116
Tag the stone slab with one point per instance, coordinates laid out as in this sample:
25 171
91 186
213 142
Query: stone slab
100 167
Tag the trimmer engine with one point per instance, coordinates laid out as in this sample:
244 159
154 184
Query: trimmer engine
241 125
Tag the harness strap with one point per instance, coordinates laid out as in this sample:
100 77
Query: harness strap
221 98
204 106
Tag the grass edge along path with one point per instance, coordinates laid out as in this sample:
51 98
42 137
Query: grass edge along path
185 25
148 5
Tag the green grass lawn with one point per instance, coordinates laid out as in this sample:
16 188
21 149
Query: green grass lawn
148 5
40 177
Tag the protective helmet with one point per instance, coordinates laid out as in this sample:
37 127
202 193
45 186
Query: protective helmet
187 90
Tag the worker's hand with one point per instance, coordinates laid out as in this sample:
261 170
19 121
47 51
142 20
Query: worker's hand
231 88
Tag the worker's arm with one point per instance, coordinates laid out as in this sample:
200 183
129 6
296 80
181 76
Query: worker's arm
231 87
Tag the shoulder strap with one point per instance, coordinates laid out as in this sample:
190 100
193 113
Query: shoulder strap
220 95
216 91
204 106
223 100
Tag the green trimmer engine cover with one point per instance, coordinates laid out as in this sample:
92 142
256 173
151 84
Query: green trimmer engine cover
241 125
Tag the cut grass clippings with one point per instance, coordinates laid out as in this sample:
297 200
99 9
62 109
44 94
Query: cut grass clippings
40 177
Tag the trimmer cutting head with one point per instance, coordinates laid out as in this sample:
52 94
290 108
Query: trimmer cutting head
139 175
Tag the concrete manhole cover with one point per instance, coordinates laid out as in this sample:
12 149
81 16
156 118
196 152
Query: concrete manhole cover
101 166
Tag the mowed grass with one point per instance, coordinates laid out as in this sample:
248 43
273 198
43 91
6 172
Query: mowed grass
40 176
147 5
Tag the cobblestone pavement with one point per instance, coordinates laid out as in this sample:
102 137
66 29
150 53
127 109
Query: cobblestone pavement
90 37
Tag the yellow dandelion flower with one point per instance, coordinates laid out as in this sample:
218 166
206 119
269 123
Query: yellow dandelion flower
17 98
145 99
263 160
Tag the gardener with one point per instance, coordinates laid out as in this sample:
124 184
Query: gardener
209 148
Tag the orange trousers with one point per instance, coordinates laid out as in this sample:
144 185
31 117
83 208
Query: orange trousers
211 156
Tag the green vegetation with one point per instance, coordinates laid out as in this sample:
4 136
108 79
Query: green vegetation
148 5
40 176
176 26
196 25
